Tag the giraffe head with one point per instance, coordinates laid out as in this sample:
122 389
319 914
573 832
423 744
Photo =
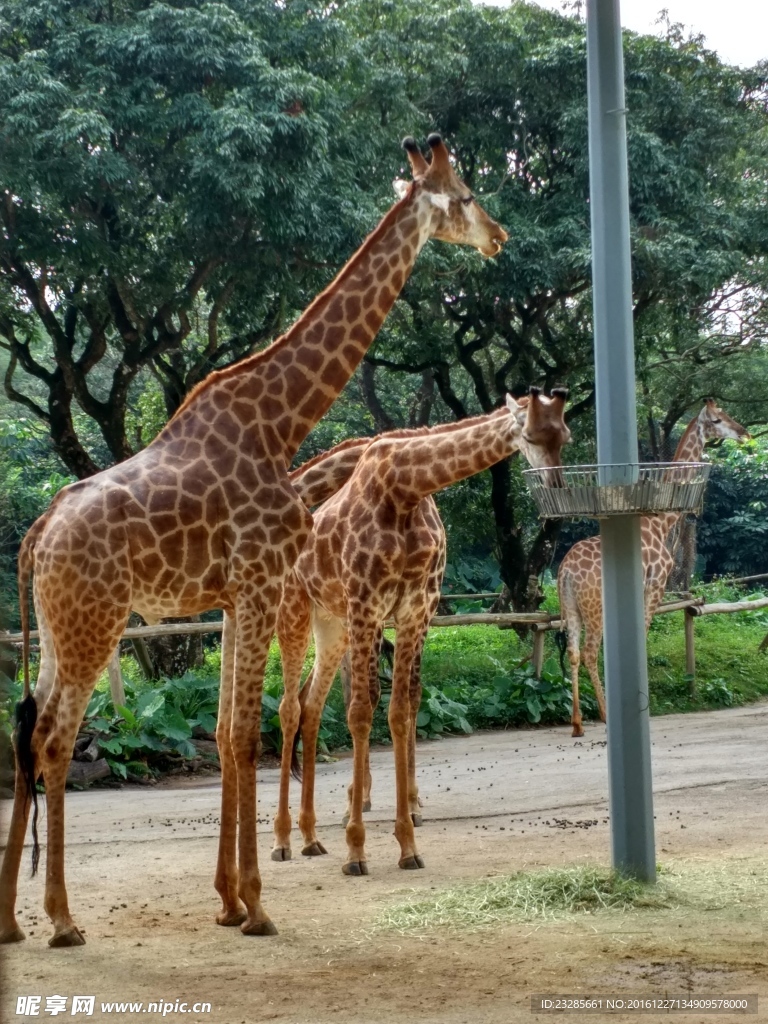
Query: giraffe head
542 429
456 215
715 422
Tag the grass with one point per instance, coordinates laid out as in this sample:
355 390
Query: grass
473 676
729 668
564 892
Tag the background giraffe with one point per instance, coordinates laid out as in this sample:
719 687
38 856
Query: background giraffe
206 517
377 551
580 580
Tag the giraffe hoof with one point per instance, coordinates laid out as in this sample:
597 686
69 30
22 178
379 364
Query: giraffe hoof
417 819
12 934
230 918
411 863
577 731
355 867
314 849
366 805
259 928
281 853
71 936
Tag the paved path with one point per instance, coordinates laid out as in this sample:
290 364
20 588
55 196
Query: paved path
492 774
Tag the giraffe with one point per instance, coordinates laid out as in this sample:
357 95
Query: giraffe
579 581
377 552
317 480
206 517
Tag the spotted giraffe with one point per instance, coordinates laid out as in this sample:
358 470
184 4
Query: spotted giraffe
206 517
580 580
377 552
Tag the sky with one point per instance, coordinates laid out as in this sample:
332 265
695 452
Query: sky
736 29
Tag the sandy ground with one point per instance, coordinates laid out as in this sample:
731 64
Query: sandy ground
140 868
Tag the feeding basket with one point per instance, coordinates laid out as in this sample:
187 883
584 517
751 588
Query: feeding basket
615 490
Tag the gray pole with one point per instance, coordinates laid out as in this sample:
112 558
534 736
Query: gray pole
626 671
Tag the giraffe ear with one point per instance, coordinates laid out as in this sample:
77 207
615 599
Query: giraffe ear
512 405
441 201
401 188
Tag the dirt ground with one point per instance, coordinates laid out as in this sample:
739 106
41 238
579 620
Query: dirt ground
493 803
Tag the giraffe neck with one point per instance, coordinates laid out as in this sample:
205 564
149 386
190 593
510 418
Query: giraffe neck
415 467
690 448
286 389
322 476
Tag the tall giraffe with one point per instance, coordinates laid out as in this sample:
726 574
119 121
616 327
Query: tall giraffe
580 579
377 552
206 517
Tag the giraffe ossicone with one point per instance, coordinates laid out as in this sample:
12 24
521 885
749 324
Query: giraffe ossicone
206 517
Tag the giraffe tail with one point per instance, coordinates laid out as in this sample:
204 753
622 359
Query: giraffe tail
561 640
296 770
26 709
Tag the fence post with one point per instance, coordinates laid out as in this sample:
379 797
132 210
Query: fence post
690 651
537 658
116 687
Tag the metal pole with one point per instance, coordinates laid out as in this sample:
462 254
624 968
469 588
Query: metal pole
626 671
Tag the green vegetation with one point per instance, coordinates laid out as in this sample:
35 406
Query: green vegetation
475 677
559 893
182 178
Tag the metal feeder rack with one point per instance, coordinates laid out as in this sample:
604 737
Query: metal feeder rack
639 488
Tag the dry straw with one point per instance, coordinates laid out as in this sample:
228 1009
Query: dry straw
553 894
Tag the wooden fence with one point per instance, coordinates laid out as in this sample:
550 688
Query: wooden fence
538 622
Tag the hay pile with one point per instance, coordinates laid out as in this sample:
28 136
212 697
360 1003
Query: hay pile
554 894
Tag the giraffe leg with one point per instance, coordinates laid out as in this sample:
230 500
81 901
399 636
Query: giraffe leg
59 724
9 874
293 630
592 639
330 643
400 728
22 802
233 911
255 628
574 659
414 803
359 718
374 688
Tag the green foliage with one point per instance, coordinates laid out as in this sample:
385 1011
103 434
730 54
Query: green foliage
730 670
474 677
160 721
733 531
471 574
29 479
440 713
517 698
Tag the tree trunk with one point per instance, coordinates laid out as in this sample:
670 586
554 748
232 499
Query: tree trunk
520 572
172 656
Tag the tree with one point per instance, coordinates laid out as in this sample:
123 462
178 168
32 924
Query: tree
513 95
158 165
180 179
